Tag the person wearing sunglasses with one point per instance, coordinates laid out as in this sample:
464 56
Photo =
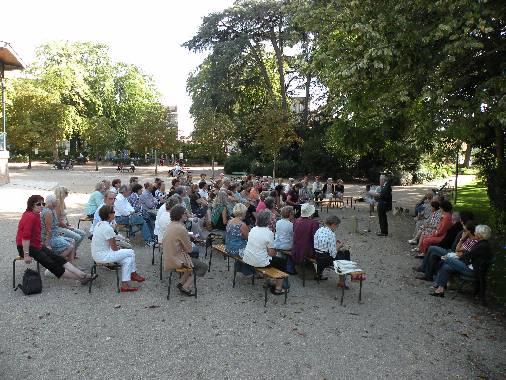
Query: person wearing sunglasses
29 244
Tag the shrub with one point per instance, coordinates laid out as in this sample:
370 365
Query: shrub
236 163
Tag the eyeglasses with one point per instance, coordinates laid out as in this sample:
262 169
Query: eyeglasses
40 204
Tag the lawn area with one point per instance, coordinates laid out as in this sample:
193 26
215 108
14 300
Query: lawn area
474 197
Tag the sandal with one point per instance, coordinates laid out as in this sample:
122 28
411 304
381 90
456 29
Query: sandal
278 292
185 292
86 280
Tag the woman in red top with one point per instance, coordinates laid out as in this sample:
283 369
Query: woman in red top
437 236
28 242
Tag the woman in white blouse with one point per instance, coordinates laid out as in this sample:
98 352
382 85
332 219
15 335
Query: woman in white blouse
260 252
105 250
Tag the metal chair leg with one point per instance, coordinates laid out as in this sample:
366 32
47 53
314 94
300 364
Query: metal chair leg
210 258
286 295
153 255
92 272
342 293
117 277
360 290
195 283
235 273
14 273
228 264
161 266
265 299
303 272
170 283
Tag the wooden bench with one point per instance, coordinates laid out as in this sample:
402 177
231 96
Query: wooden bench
19 258
181 271
269 272
85 218
111 266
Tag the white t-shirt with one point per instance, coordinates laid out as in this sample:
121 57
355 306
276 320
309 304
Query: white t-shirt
283 238
101 234
255 253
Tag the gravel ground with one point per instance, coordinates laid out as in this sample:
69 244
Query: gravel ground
398 331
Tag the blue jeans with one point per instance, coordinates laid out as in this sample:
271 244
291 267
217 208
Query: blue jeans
452 265
419 209
429 258
137 220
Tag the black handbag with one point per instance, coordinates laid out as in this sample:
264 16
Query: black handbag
32 283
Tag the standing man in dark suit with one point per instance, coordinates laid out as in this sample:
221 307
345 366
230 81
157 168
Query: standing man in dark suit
384 204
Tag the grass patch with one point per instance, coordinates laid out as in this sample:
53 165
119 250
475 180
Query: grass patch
474 197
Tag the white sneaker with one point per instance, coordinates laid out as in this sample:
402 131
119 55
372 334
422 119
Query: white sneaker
47 273
413 241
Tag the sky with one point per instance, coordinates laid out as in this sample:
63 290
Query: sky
146 33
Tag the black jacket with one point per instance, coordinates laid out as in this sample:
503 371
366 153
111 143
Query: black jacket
480 255
385 196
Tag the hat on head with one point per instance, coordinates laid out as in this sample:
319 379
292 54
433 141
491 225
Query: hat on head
307 210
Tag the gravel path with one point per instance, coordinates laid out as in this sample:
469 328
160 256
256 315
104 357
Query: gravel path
398 331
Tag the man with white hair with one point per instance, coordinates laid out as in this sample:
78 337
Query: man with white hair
384 198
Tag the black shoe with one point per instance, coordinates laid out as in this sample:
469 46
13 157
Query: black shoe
442 294
381 234
422 277
187 293
320 278
418 269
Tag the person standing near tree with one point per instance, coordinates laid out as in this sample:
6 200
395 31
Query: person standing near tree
384 198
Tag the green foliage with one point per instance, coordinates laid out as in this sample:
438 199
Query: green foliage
78 92
236 163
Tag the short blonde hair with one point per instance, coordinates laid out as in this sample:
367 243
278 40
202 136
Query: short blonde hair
239 210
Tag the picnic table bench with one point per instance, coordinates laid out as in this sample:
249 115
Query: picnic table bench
269 272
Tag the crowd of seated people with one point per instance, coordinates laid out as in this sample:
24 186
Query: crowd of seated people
448 242
263 221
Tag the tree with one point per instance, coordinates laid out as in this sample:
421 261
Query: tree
99 136
156 130
37 118
213 133
244 29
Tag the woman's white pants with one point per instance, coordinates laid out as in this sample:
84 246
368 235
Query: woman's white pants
125 257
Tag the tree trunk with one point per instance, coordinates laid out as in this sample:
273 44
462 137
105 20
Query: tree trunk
305 114
29 160
467 159
96 162
274 170
156 162
499 144
263 69
212 166
278 50
55 151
